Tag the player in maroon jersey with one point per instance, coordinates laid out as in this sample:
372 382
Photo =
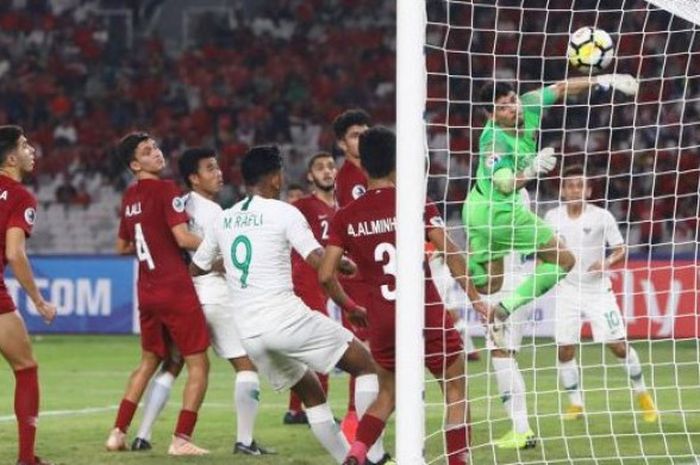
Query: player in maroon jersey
350 184
318 208
17 215
366 229
154 227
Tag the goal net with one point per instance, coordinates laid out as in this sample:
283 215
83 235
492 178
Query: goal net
640 156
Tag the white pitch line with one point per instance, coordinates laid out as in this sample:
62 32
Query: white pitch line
62 413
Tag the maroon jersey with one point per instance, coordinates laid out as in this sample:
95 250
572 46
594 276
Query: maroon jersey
318 213
17 210
150 208
350 183
366 229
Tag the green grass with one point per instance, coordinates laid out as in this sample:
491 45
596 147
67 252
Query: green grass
79 372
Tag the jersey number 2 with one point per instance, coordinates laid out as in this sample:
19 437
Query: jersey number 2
143 254
385 253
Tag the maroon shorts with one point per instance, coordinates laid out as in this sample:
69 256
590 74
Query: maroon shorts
358 291
443 345
177 321
6 303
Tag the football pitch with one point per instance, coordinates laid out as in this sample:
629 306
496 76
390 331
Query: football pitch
83 377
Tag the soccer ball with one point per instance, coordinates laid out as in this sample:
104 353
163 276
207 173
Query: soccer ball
590 49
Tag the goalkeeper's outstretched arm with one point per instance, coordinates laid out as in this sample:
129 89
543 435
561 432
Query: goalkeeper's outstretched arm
625 83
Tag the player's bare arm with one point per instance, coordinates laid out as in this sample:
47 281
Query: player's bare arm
125 247
345 265
17 258
184 238
458 267
197 271
617 255
330 262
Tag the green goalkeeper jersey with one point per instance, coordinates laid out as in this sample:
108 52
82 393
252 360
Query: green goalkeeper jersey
500 149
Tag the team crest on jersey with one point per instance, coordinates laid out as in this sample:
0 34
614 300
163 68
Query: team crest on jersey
492 160
29 215
437 221
358 191
179 204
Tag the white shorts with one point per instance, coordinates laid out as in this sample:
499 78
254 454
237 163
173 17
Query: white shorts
284 353
575 305
222 331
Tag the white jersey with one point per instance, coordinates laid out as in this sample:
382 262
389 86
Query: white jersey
586 237
211 288
255 237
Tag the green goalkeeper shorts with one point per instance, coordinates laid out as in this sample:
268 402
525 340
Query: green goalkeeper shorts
495 229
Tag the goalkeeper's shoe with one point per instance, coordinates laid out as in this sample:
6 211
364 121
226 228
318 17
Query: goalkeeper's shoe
646 403
116 440
513 440
573 412
182 446
140 444
498 327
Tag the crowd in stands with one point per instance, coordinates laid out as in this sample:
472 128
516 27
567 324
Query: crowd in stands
280 71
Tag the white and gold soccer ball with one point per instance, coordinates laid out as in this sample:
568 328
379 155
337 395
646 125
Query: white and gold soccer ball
590 49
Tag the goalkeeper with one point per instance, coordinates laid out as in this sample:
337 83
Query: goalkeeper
494 216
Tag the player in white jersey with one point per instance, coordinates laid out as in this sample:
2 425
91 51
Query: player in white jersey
509 378
586 292
200 172
286 340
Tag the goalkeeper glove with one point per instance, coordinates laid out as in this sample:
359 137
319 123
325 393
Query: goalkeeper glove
543 163
625 83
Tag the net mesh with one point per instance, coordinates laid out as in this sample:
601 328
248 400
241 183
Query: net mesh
642 158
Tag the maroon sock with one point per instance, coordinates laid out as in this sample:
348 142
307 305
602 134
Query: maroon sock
185 423
324 384
351 394
294 402
369 430
26 411
457 445
125 414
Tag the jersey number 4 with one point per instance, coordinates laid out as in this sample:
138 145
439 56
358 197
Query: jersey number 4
385 253
143 254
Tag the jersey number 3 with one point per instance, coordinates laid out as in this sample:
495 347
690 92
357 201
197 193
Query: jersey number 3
385 253
143 254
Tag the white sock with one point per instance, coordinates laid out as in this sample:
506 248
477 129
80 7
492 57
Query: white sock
568 374
511 386
366 390
155 402
634 370
327 431
247 399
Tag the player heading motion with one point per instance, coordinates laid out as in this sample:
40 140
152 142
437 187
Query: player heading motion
493 214
201 174
17 216
374 248
587 291
287 341
154 226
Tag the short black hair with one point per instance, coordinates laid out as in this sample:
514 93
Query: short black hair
492 91
378 151
126 150
295 187
189 162
349 118
260 161
9 137
573 170
315 157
